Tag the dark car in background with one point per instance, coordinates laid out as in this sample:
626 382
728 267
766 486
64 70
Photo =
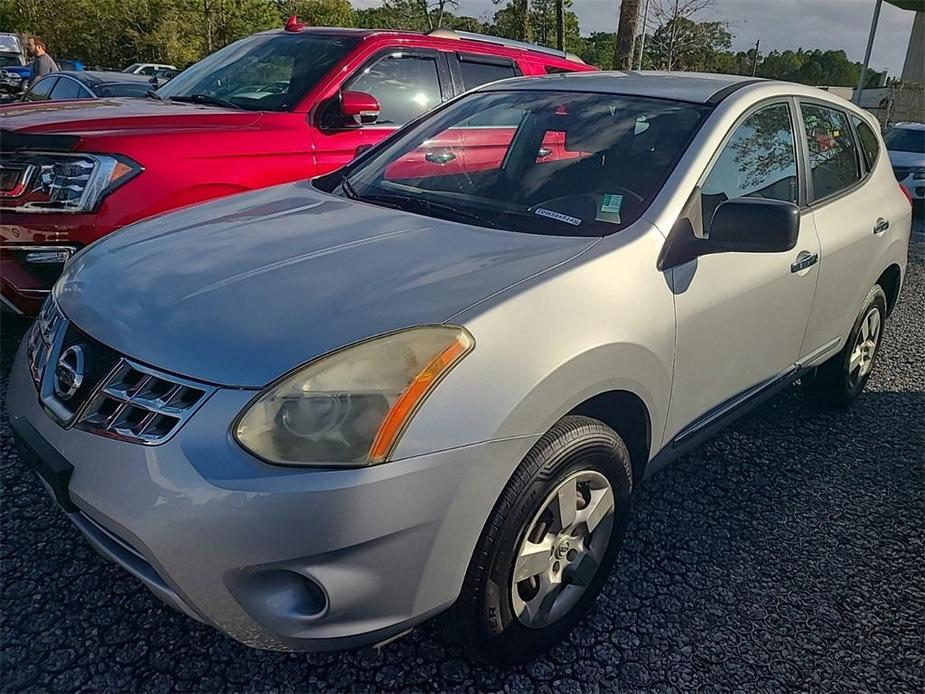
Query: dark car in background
87 84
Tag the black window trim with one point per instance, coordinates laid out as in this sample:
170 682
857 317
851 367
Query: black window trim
781 99
815 203
444 79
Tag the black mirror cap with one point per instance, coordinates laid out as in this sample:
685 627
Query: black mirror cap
754 225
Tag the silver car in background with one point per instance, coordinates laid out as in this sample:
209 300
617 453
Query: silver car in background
905 143
315 415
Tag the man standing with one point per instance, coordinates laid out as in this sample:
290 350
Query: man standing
42 63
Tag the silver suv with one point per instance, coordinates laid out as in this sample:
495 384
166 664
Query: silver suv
315 415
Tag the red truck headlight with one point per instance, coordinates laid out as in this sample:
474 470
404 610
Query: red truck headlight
39 182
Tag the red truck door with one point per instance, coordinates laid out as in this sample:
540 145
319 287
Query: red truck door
406 83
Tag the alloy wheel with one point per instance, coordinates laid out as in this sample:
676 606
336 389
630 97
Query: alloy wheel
562 549
865 347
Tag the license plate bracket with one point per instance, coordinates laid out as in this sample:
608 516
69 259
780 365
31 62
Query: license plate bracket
47 463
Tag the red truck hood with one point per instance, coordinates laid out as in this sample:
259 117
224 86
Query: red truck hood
108 115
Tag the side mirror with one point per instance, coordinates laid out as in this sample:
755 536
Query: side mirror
359 107
754 225
740 225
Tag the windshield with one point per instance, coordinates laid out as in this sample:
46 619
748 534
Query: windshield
905 140
542 162
14 59
265 72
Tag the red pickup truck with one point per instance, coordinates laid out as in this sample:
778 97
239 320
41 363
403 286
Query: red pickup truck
274 107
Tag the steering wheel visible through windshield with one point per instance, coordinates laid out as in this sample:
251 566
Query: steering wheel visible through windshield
264 72
544 162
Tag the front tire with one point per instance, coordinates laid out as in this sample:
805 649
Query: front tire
839 381
548 545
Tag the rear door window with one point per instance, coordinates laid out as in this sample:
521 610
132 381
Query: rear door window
870 145
67 88
477 71
833 155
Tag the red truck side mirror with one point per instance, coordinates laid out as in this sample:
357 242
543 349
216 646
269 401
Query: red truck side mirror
360 107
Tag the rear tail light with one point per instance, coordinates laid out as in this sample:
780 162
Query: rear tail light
906 193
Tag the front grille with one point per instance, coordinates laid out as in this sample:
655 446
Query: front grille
110 394
138 404
98 361
42 337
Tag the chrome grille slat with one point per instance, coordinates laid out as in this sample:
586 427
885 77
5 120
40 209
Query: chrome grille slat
135 416
124 400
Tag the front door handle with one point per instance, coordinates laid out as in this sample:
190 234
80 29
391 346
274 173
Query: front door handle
803 261
439 157
881 226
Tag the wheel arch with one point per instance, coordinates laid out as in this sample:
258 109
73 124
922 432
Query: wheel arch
890 281
627 414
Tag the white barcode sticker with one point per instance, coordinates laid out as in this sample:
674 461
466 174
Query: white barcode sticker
574 221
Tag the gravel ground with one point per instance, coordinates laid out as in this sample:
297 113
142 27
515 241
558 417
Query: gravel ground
785 554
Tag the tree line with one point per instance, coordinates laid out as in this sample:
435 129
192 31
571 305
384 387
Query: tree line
115 33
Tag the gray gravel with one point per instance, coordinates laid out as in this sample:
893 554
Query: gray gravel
785 554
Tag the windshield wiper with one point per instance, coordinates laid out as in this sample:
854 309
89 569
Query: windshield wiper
204 99
402 202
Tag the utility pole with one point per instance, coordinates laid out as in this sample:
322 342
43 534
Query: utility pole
626 34
642 37
870 44
755 58
560 24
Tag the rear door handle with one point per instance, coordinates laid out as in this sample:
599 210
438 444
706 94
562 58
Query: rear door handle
881 226
803 261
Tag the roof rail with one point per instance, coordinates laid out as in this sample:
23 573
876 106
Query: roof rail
497 40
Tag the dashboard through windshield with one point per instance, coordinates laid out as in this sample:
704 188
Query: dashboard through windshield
544 162
265 72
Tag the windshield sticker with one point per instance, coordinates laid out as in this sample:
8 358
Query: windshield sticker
611 203
574 221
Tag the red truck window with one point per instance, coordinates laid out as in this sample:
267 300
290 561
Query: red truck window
476 72
406 86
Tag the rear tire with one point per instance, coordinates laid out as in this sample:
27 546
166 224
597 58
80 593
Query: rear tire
838 382
548 545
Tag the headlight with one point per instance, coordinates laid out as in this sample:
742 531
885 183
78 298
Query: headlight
35 182
350 407
918 174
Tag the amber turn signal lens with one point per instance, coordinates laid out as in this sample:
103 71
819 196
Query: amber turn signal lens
400 412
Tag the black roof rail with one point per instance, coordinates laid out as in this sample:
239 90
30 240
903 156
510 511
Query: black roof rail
730 88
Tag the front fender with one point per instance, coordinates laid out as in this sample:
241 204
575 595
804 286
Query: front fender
601 322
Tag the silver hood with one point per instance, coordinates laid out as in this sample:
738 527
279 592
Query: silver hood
241 290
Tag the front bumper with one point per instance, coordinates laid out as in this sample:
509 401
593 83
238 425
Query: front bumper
24 284
279 558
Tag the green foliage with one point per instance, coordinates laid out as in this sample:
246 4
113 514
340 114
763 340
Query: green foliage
115 33
683 44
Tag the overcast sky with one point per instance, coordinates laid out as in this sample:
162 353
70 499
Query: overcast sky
780 24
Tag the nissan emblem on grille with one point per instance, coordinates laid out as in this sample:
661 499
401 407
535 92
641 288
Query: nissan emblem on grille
69 372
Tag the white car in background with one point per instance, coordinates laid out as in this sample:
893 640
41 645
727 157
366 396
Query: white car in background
905 143
149 69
